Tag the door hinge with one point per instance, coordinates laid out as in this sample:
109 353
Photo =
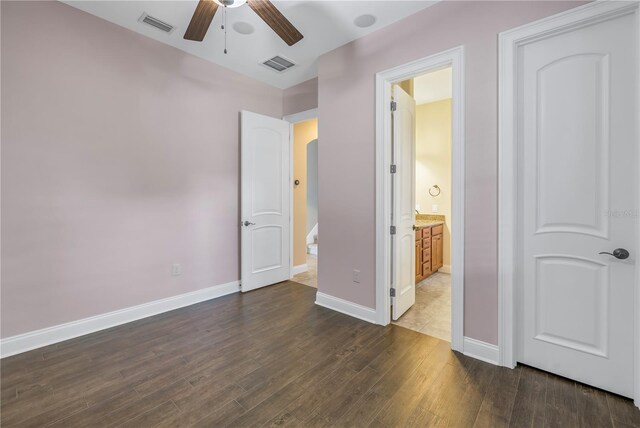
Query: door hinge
392 292
393 230
394 106
393 169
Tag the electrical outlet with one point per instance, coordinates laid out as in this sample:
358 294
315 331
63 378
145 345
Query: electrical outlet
176 269
356 276
418 207
434 208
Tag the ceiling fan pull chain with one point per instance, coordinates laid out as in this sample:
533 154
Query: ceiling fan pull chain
224 26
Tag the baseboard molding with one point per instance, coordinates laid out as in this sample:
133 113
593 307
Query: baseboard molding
346 307
47 336
481 351
445 269
299 269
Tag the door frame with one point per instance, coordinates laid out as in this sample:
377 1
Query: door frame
509 43
455 58
293 119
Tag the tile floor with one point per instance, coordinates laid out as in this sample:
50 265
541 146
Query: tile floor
431 313
310 277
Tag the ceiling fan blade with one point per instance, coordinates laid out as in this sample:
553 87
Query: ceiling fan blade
276 20
202 17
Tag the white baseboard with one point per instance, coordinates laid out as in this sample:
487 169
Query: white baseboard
445 269
47 336
346 307
481 351
299 269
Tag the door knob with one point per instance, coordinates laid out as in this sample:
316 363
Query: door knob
618 253
248 223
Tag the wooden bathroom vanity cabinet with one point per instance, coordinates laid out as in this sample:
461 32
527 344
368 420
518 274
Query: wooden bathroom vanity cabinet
429 248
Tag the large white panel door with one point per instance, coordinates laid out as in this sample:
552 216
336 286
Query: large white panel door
578 156
404 203
265 201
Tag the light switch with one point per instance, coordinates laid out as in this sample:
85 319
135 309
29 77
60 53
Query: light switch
434 208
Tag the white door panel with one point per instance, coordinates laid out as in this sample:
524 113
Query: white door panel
265 187
578 152
404 277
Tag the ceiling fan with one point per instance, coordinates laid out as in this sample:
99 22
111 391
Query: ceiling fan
206 10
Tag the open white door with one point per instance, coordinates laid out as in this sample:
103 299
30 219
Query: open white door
265 201
404 202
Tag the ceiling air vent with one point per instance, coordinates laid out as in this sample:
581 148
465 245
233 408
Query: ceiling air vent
154 22
278 64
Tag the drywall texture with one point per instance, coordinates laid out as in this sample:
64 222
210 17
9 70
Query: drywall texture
433 165
119 158
303 134
347 156
301 97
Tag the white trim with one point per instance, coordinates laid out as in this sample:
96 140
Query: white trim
346 307
445 269
454 58
291 213
637 293
482 351
299 269
47 336
509 42
302 116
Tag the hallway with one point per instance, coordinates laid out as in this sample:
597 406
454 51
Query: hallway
310 277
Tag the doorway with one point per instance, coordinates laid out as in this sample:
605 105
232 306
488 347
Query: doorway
305 237
429 104
400 260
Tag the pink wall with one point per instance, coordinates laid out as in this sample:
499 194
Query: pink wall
347 156
119 158
301 97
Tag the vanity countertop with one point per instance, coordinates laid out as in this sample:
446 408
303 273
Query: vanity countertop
421 224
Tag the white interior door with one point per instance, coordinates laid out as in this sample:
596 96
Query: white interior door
265 201
404 202
579 177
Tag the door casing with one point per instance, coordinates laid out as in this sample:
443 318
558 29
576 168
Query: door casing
293 119
384 80
509 42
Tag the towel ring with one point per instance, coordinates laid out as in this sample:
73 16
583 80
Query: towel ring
437 189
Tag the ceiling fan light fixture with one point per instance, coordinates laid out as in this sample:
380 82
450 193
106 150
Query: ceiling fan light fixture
242 27
230 3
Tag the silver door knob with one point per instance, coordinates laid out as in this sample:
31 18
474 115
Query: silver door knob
248 223
618 253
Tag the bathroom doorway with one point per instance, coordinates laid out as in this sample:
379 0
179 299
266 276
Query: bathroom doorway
430 96
420 209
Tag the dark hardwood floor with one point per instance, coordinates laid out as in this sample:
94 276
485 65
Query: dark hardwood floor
271 357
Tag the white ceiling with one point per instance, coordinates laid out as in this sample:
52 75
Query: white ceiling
432 87
325 24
